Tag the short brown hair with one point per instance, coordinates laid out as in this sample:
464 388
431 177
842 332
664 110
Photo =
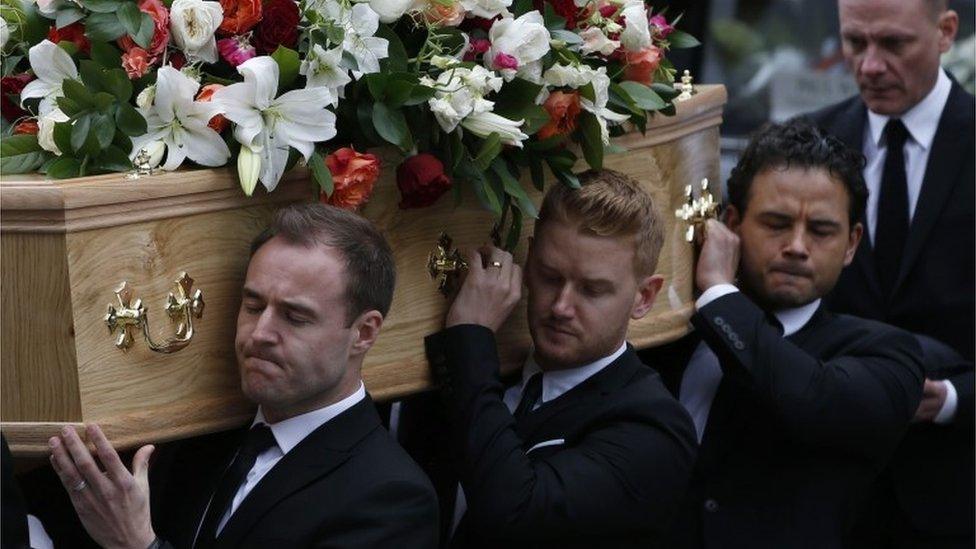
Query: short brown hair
609 203
370 270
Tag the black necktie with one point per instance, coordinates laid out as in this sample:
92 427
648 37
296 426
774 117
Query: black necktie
892 227
530 394
258 439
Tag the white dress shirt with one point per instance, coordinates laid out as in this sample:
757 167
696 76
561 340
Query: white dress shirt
287 434
702 376
554 385
922 122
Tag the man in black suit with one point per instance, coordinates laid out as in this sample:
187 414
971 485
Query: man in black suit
915 269
796 408
587 448
316 468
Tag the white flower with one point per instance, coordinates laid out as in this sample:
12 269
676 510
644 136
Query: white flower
484 124
322 68
489 9
181 123
359 24
524 40
193 24
4 32
595 41
391 10
155 151
269 125
146 97
637 33
577 76
571 76
51 65
460 92
45 129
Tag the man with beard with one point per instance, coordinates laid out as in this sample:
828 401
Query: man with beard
315 468
796 408
586 448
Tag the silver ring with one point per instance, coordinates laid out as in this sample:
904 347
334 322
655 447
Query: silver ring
80 486
496 264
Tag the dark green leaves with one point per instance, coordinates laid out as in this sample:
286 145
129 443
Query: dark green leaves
591 140
680 39
20 154
643 96
391 125
129 121
321 173
103 27
288 64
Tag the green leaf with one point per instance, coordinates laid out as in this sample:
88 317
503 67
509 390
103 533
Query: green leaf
79 132
458 152
77 91
66 17
112 159
392 126
643 96
129 16
118 84
62 137
103 101
666 91
681 39
68 106
106 55
144 35
520 7
130 121
91 74
552 20
515 231
103 6
419 94
288 64
538 175
376 83
513 188
490 147
103 27
398 91
397 60
321 173
515 96
20 154
64 167
483 189
104 129
591 140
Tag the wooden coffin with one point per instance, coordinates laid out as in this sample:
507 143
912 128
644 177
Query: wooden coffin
67 245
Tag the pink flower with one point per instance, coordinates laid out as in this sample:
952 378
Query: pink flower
236 49
160 16
477 47
136 62
661 26
505 61
608 10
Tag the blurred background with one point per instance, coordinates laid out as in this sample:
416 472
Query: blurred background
780 58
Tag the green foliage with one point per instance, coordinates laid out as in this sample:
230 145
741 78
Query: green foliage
591 140
681 39
321 173
288 65
21 154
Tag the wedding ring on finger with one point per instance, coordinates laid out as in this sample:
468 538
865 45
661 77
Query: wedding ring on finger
496 264
80 486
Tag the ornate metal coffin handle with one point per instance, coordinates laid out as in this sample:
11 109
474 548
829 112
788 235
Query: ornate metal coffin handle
131 316
444 264
697 211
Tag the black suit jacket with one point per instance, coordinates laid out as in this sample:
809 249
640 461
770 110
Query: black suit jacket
348 484
932 472
798 427
614 480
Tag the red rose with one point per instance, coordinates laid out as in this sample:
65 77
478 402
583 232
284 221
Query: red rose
13 85
563 109
421 180
353 177
27 126
240 16
74 33
136 62
160 16
278 27
218 123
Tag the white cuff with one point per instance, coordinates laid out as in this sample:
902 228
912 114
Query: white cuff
714 293
948 411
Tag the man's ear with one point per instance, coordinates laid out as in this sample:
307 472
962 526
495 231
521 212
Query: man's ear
365 329
647 290
948 27
857 231
733 218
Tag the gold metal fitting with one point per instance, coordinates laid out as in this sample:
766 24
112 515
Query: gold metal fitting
131 316
445 264
697 211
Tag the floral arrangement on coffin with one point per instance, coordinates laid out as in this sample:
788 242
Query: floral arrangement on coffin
472 91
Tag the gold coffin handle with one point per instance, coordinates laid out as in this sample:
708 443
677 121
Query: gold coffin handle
129 316
445 264
697 211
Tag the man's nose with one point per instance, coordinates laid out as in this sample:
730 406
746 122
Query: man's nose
873 64
563 307
797 246
264 328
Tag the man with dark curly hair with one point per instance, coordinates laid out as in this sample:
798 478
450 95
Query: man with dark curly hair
796 408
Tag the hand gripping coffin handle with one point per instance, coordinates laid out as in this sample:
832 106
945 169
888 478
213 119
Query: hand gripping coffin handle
130 316
697 211
445 264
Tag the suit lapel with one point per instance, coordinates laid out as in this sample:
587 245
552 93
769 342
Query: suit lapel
317 455
950 144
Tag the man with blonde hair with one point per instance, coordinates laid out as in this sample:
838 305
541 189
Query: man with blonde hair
586 448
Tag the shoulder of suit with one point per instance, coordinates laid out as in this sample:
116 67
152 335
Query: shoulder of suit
852 328
381 459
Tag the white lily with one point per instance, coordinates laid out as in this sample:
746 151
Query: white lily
489 9
359 24
594 41
51 65
181 123
523 41
4 32
460 93
484 124
636 34
269 125
45 129
392 10
322 68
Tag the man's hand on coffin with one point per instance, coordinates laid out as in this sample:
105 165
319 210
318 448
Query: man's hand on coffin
113 504
491 289
718 261
934 395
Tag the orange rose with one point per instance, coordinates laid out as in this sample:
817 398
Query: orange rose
135 62
218 122
240 16
563 109
444 15
353 177
642 64
27 126
160 16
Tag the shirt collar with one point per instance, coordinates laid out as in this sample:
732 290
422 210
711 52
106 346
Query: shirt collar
922 120
793 320
289 432
558 382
